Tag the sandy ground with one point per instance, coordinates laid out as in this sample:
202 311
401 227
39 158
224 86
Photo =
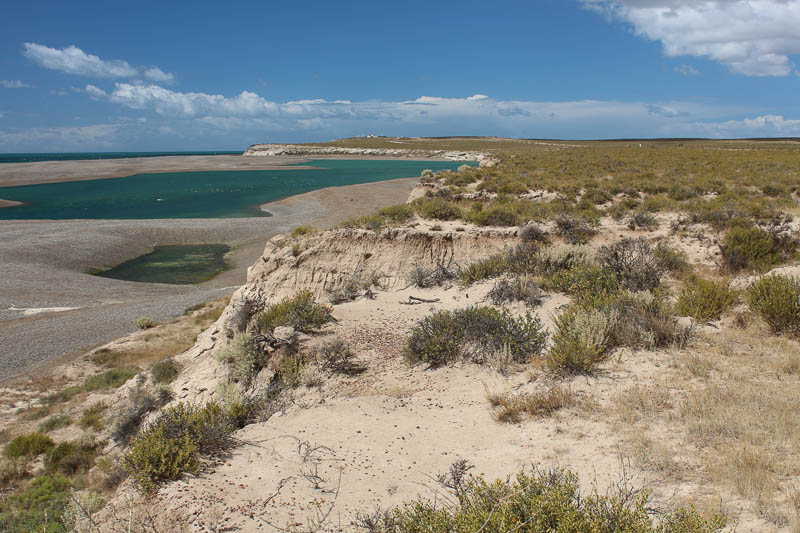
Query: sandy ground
51 309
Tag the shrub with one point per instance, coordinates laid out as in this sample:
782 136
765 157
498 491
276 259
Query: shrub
29 445
299 231
165 371
92 417
646 320
39 507
491 267
71 458
140 404
574 230
438 209
581 341
634 262
516 289
300 312
144 322
587 283
155 458
748 247
475 333
777 300
397 213
336 356
242 359
510 407
642 220
705 299
524 259
670 259
434 276
531 233
110 379
172 444
495 215
354 285
533 502
54 422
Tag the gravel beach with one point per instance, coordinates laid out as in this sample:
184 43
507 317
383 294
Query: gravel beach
50 309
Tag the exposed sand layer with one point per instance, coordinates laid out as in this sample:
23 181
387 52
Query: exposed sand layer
8 203
44 265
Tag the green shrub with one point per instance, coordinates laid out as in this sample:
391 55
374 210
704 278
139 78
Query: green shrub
749 248
397 213
38 508
144 322
71 458
670 259
437 209
172 444
532 502
165 371
777 300
28 445
587 283
242 359
92 417
495 215
705 299
54 422
524 259
300 312
491 267
155 458
110 379
581 341
475 334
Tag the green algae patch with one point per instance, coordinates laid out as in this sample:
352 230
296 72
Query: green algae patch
173 264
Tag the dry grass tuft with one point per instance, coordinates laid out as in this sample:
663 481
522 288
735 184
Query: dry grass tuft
513 407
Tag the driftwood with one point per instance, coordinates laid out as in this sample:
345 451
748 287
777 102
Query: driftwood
413 300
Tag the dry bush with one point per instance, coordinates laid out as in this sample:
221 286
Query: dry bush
336 356
513 407
532 233
242 358
353 286
634 262
644 221
434 276
516 289
574 230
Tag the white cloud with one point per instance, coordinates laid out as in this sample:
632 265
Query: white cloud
687 70
751 37
73 60
156 74
762 126
14 84
95 93
60 139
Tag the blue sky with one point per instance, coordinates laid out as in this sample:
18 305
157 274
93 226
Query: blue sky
112 75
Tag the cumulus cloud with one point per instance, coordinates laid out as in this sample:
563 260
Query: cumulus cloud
751 37
73 60
14 84
762 126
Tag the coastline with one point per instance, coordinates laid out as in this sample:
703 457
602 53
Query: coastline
8 203
40 275
15 174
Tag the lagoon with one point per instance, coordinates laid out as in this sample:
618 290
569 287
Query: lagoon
212 194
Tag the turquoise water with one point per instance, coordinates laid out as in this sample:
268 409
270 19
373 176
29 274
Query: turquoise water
73 156
218 194
174 264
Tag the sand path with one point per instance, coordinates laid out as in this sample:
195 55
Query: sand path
44 265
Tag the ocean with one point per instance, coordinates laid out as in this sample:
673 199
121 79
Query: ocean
212 194
75 156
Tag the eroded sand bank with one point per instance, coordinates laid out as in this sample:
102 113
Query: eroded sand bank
45 264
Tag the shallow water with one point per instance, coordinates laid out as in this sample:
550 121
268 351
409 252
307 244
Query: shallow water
174 264
216 194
